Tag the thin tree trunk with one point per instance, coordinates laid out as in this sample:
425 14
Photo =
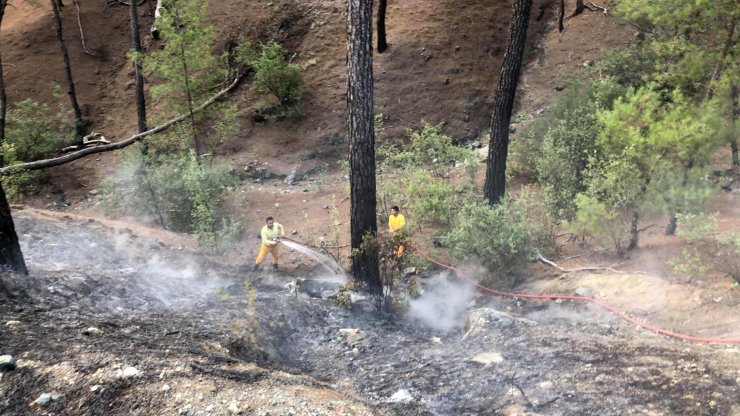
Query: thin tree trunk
79 127
733 119
721 60
10 251
3 98
382 44
361 139
561 16
188 92
136 45
672 225
495 184
580 8
634 233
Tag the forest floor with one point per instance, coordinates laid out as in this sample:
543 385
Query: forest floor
106 296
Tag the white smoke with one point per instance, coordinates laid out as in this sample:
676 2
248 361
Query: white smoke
442 304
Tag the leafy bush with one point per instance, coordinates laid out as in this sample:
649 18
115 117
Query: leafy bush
595 219
32 132
556 150
416 176
36 132
432 200
566 149
502 237
389 298
728 256
274 75
695 226
690 264
630 67
433 150
183 194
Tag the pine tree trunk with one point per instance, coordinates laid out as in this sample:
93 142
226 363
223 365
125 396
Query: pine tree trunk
361 139
10 251
3 98
735 116
580 8
503 104
382 44
561 16
136 45
672 225
79 127
189 93
634 233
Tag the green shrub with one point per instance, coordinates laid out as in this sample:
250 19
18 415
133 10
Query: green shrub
595 219
274 76
389 298
630 67
690 264
502 237
432 200
728 256
694 226
416 176
36 132
433 150
183 194
32 132
567 147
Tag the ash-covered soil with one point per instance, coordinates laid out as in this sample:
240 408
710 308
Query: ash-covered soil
112 323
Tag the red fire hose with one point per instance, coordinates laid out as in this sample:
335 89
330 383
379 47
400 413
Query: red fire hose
603 305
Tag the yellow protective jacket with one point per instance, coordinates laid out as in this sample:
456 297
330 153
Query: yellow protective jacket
268 234
396 222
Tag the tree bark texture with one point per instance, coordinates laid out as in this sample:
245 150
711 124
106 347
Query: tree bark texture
10 251
561 16
733 119
382 44
79 127
136 45
495 184
361 138
634 233
3 98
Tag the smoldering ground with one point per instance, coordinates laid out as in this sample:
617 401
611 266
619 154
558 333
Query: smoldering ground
566 366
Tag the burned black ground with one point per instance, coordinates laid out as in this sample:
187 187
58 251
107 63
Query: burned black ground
180 319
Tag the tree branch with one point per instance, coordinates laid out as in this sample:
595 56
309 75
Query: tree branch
47 163
581 269
82 34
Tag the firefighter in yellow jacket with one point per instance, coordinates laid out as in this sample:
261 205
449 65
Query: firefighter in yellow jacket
271 233
396 222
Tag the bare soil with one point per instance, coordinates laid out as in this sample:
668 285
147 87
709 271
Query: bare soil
198 338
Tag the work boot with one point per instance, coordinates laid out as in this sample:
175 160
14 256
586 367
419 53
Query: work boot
255 267
275 267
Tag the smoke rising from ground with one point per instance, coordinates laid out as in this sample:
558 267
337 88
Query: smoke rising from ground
443 303
115 270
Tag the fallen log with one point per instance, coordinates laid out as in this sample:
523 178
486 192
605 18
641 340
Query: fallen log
47 163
